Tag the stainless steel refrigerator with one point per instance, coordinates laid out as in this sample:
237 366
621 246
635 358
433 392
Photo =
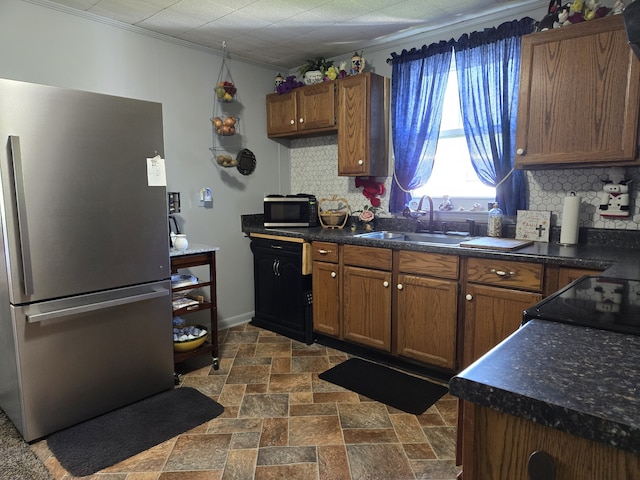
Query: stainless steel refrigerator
85 302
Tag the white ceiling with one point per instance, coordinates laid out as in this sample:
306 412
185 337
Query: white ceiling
285 33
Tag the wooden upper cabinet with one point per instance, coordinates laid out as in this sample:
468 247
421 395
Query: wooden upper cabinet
363 125
281 114
579 98
305 111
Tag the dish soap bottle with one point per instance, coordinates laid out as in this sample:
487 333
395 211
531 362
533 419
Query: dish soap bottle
494 225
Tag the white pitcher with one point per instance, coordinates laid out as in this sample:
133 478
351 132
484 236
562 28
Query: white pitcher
181 243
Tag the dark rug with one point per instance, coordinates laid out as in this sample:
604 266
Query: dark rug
17 460
104 441
386 385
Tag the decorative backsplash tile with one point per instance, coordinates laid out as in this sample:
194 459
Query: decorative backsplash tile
314 169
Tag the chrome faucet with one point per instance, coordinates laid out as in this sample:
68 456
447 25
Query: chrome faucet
422 212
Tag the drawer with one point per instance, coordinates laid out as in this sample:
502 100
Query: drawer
371 257
325 252
527 276
432 264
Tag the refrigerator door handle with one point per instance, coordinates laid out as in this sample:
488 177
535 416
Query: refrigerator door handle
25 252
65 312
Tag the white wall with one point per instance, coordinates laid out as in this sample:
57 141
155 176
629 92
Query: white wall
49 46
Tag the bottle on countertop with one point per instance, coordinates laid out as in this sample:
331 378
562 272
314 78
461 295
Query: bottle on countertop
494 224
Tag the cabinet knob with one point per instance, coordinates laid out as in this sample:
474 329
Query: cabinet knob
292 122
301 120
400 287
540 466
520 151
333 274
468 296
360 162
385 284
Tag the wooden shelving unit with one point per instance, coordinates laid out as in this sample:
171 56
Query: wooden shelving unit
190 259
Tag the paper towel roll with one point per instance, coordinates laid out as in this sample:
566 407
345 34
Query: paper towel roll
570 219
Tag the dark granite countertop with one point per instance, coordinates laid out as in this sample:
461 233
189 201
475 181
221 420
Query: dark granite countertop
580 380
597 256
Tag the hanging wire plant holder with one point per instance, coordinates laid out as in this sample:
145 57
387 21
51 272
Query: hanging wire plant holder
227 143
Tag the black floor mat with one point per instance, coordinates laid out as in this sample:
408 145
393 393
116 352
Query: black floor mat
104 441
386 385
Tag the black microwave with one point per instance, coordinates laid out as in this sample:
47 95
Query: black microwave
300 210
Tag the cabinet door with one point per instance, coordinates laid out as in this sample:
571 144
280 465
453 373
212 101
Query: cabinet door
267 286
326 305
504 444
427 317
366 307
363 138
281 114
317 106
579 99
291 288
492 314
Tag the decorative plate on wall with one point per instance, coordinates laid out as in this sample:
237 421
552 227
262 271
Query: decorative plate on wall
246 161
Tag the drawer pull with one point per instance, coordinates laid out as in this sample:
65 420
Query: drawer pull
502 273
540 466
333 274
324 252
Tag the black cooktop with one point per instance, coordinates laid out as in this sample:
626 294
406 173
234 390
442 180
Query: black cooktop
599 302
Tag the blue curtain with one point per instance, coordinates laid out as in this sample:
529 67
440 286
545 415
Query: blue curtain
419 78
488 67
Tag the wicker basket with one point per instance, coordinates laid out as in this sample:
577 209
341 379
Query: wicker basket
334 212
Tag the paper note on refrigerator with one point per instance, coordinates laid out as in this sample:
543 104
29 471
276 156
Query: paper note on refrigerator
156 174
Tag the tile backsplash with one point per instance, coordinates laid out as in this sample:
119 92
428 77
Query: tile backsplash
314 169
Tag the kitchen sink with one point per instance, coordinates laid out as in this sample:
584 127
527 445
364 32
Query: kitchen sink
383 235
437 238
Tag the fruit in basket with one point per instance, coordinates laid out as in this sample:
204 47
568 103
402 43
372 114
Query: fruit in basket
226 91
226 161
229 121
217 122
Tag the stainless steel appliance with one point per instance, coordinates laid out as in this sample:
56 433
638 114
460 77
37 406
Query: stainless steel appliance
299 210
85 304
593 301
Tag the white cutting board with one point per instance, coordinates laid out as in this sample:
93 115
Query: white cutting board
494 243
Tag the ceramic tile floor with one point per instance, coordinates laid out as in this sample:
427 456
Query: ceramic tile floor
282 422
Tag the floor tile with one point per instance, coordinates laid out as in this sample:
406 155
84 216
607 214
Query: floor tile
282 422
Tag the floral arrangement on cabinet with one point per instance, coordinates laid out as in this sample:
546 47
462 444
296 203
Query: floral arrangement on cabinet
559 15
319 70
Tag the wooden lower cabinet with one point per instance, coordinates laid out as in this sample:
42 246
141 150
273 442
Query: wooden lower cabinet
567 275
326 299
427 320
503 444
366 307
426 308
491 314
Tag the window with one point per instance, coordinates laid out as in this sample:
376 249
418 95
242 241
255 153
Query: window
453 173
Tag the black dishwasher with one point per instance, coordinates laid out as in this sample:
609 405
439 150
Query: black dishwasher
282 292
